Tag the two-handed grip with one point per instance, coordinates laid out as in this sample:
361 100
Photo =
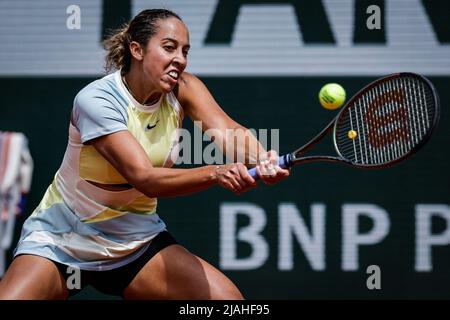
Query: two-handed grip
283 162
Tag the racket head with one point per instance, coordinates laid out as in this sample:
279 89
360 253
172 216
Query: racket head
393 117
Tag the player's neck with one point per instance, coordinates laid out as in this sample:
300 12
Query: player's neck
142 92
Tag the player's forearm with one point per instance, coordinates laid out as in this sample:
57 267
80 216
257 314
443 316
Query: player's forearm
245 146
165 182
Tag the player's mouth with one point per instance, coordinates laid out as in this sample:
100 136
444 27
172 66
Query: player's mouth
173 75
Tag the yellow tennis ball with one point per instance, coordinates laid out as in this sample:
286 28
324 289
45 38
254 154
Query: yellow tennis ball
352 134
332 96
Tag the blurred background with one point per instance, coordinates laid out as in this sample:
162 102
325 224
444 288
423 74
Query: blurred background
315 235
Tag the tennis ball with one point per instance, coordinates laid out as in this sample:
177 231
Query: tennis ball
352 134
331 96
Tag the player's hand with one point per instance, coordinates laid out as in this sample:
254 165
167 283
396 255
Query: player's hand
235 177
268 169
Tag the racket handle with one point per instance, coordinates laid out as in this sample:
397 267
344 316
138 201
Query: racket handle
283 162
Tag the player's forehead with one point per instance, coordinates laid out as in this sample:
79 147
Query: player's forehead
172 29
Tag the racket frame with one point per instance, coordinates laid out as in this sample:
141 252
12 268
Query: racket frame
296 157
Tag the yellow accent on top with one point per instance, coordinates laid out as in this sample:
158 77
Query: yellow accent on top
51 197
141 205
105 215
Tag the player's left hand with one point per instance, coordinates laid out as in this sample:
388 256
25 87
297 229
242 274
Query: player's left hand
268 170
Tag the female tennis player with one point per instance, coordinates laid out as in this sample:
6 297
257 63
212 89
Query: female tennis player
99 214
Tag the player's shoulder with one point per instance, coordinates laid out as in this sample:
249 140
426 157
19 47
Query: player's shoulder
188 85
97 86
187 80
104 89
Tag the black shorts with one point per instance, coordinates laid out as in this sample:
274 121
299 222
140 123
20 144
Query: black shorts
115 281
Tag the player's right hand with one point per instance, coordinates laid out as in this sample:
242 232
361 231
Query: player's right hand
234 177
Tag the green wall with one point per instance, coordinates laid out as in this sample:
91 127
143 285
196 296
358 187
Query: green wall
40 108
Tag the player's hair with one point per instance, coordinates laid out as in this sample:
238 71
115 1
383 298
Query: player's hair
140 29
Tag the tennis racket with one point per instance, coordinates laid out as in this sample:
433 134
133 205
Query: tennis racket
385 123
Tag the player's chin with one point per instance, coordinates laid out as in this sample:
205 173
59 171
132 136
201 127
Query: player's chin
168 85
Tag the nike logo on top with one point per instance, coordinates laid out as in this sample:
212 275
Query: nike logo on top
149 127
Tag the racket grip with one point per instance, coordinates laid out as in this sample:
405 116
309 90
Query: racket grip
283 162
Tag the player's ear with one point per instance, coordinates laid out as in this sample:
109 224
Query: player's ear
136 50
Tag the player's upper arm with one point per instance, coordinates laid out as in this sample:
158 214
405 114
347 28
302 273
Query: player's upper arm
125 154
102 122
199 104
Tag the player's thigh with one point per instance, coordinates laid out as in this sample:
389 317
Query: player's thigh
32 277
175 273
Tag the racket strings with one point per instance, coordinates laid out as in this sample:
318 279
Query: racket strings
390 119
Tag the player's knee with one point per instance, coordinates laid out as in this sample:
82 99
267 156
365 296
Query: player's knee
227 292
231 295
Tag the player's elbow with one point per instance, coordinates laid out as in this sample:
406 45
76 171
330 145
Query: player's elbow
144 180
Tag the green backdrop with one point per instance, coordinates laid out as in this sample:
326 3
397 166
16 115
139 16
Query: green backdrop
40 108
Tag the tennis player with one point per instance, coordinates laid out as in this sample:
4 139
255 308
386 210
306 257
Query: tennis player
99 214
